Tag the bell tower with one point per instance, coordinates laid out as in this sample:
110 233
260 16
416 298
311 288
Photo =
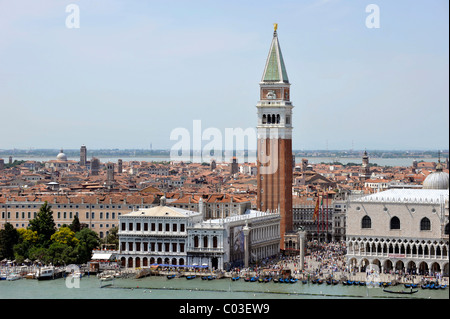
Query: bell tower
274 160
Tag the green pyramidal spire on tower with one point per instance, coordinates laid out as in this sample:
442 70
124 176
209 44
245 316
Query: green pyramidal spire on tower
275 71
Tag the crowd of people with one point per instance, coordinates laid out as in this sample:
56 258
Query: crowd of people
327 260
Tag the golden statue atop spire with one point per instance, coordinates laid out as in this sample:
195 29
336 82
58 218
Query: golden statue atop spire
275 26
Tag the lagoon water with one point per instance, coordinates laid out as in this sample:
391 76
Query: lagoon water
181 288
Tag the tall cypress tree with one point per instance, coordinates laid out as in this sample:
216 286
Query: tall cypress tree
8 238
44 224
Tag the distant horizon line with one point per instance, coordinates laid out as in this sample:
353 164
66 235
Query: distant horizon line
168 150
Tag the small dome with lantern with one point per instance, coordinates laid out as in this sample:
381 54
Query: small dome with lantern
61 156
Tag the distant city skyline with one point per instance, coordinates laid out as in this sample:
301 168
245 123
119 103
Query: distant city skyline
136 70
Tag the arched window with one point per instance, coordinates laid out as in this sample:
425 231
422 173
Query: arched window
446 229
425 224
278 118
395 223
366 222
264 119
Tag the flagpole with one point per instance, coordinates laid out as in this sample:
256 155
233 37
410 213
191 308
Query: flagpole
323 217
326 212
318 216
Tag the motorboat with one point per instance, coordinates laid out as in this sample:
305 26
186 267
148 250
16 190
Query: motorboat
13 276
46 273
106 280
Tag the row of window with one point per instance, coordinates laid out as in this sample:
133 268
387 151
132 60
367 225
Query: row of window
78 206
145 227
425 223
107 226
274 119
63 215
152 247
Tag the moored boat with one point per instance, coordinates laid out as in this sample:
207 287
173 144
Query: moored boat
13 276
48 273
402 292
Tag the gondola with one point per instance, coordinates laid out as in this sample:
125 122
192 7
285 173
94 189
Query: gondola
275 279
443 286
425 286
235 278
335 282
410 285
304 281
280 280
247 279
211 277
320 281
204 278
328 282
293 280
191 277
253 279
267 279
362 283
401 292
170 276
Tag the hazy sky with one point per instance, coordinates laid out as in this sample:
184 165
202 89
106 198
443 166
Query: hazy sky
135 70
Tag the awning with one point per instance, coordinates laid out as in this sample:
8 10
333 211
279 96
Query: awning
104 256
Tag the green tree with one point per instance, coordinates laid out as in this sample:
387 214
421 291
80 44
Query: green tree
112 238
65 236
60 254
88 240
75 226
27 238
8 238
44 224
39 253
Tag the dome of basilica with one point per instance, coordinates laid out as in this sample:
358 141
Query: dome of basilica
437 180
